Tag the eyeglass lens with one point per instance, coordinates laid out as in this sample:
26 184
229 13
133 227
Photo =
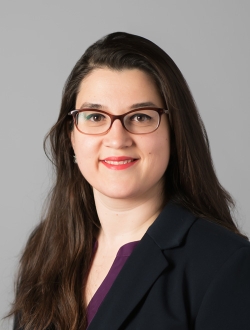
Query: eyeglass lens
96 122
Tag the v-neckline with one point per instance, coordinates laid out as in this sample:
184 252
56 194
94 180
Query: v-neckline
121 257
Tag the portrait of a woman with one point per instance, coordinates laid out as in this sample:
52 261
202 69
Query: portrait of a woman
138 233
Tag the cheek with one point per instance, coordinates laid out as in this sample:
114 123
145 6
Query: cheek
86 161
86 151
158 149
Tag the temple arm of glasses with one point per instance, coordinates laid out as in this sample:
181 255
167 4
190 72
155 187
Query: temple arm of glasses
71 113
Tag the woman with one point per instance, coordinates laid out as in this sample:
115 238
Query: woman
138 233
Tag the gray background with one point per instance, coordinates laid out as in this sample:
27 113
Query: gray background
40 43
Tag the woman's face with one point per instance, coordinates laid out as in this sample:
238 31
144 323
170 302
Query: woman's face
102 158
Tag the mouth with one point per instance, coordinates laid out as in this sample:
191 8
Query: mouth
119 163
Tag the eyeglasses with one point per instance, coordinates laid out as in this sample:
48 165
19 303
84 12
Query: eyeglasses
97 122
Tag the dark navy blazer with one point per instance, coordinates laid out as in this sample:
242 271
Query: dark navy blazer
186 273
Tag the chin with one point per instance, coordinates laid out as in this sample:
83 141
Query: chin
118 193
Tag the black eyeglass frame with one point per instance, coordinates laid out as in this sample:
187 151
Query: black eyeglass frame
74 113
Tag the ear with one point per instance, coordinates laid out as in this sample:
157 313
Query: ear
70 132
72 138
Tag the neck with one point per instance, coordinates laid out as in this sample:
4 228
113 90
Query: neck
124 221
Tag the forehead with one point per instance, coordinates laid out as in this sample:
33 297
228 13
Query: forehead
125 87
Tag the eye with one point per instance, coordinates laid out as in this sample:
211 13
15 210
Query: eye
95 117
91 116
140 117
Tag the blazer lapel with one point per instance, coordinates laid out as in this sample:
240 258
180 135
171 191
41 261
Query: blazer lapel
137 275
171 227
143 267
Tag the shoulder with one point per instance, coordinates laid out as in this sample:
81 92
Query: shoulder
211 245
219 260
209 251
199 244
209 248
209 235
213 265
177 226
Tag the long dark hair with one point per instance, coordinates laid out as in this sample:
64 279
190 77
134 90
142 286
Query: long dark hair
57 256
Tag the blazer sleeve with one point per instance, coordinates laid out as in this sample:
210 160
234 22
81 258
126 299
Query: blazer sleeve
226 304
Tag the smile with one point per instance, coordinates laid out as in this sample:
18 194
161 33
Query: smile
119 163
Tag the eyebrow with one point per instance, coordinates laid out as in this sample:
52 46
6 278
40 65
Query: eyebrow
134 106
91 106
143 105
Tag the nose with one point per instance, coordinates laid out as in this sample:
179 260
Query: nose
117 137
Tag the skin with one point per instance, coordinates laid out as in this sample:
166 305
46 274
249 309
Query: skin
116 92
127 200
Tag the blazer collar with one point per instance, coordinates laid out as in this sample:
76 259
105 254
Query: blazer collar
171 226
143 267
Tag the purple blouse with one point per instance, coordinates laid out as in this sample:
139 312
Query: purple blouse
120 259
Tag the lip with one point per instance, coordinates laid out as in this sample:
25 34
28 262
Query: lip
119 163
